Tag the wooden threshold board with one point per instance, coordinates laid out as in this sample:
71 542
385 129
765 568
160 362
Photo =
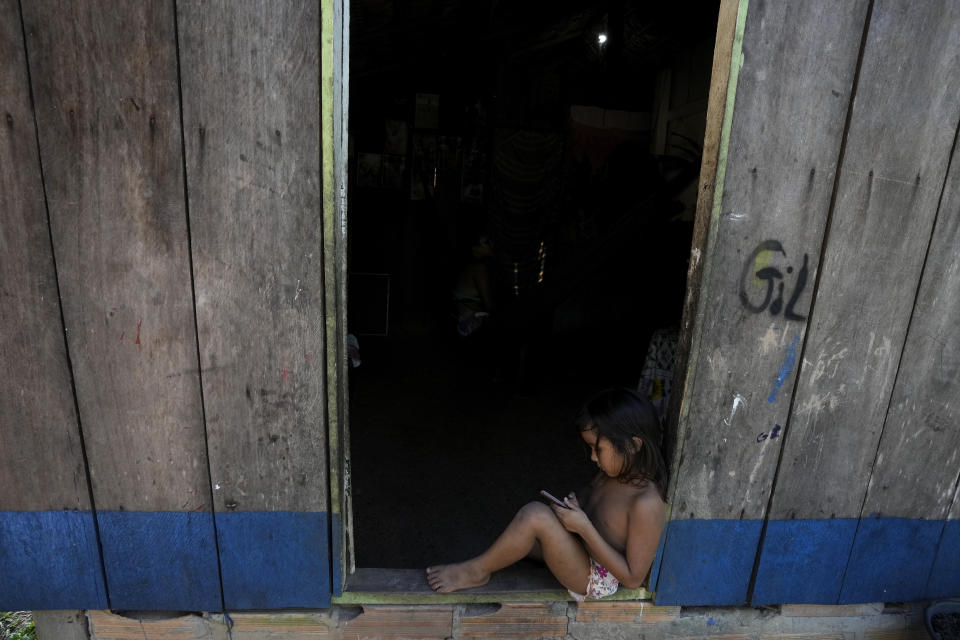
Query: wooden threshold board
409 586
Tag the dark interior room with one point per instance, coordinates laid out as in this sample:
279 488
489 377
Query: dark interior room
523 182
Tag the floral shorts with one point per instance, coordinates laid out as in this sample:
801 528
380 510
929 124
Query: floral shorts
601 583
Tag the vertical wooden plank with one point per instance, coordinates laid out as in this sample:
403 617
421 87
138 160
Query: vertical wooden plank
716 107
105 83
251 108
341 506
777 172
888 189
48 548
917 466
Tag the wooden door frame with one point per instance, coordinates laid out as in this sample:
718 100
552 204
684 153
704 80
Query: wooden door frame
335 96
335 37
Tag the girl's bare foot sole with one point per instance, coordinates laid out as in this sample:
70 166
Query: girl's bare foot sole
445 578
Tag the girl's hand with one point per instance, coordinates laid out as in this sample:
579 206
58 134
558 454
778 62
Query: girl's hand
573 517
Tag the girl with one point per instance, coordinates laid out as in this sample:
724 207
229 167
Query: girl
603 537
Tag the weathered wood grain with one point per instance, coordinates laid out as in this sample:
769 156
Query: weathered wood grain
918 462
338 430
252 133
106 98
779 173
105 83
817 549
777 161
251 92
716 107
49 557
898 146
42 461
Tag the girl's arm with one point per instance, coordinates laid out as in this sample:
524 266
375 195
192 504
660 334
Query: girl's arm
645 521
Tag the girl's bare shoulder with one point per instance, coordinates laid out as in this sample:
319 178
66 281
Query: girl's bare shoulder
645 501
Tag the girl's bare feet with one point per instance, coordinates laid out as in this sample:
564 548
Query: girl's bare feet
445 578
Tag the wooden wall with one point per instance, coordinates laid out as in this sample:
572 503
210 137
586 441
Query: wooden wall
48 541
162 274
171 276
824 361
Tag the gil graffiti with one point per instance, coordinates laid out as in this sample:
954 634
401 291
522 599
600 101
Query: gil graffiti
774 279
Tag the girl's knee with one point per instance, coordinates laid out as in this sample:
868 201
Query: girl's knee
535 513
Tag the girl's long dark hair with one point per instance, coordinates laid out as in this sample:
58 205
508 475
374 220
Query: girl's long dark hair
619 415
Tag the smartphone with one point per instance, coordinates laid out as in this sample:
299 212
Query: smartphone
554 499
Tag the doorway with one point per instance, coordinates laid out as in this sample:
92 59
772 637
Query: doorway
567 136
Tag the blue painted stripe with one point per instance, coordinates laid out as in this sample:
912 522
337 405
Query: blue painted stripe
945 575
708 562
891 560
49 560
167 561
336 558
160 560
802 561
274 560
